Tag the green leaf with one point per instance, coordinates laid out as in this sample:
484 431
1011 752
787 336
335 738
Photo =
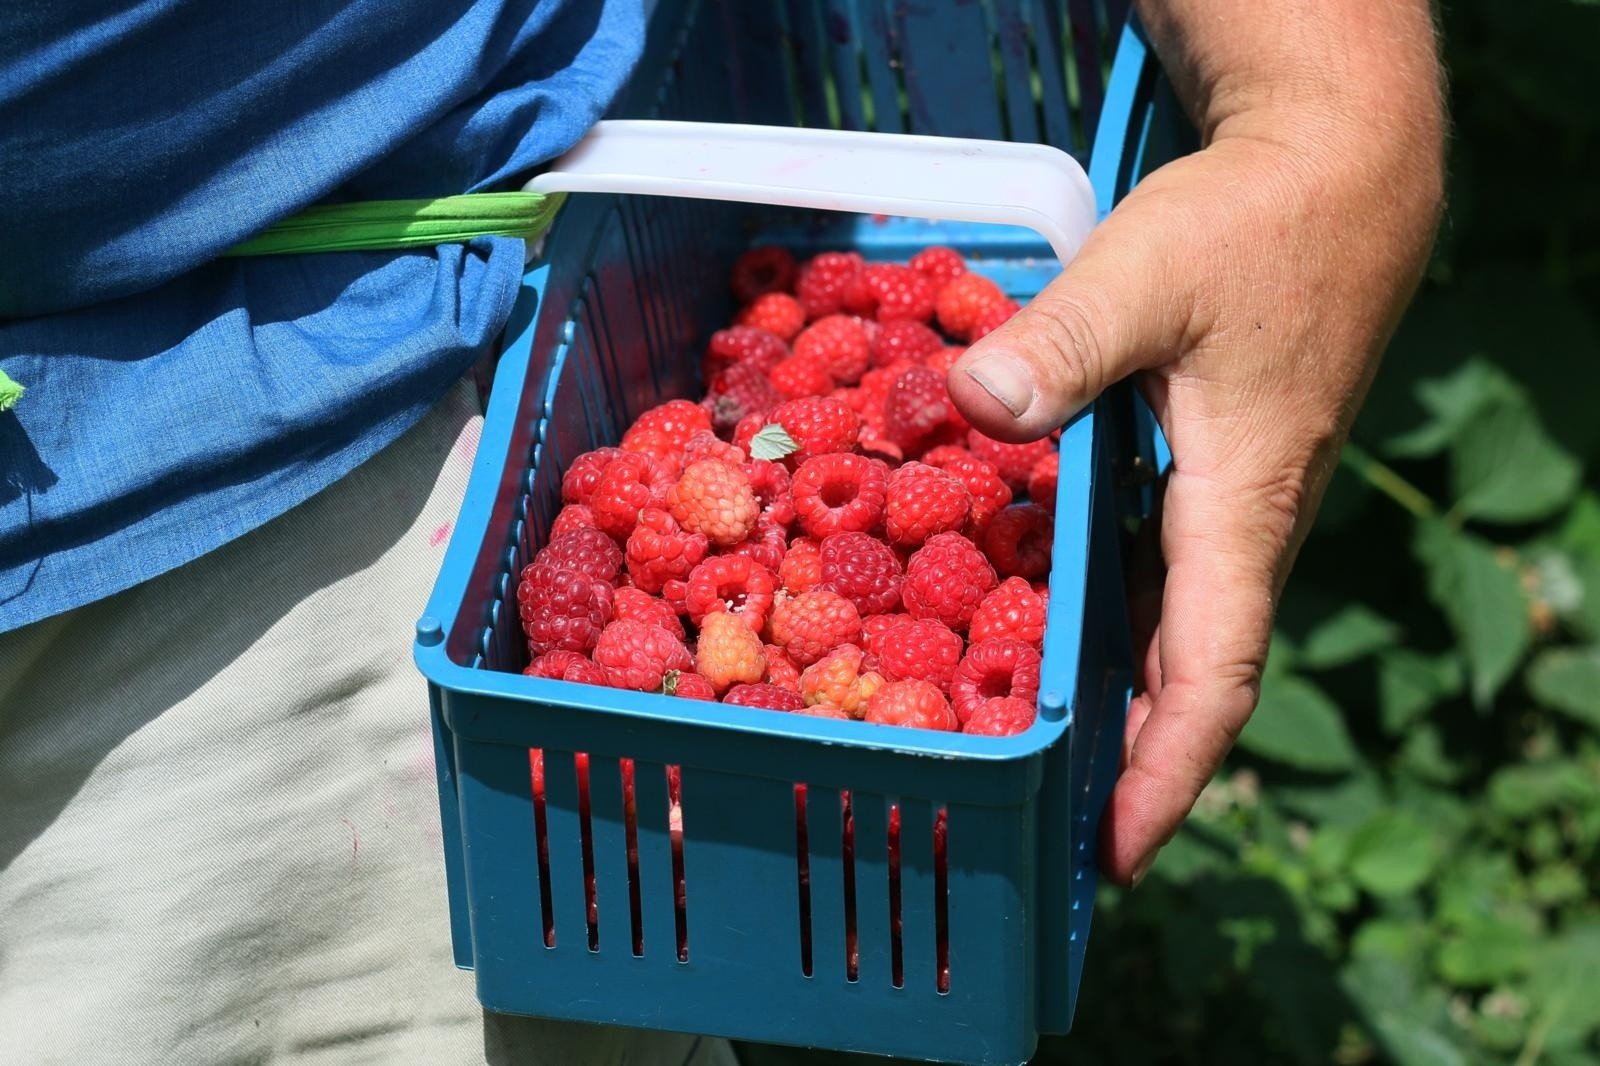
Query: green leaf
772 442
1489 950
1562 985
1354 632
1523 790
10 392
1562 882
1423 754
1393 854
1298 725
1482 600
1506 468
1568 680
1410 684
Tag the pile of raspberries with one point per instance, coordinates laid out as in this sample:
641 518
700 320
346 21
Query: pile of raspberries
824 533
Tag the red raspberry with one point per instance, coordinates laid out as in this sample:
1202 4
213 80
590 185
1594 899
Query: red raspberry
766 545
1019 539
839 344
801 569
942 360
796 377
810 625
862 569
583 476
839 493
762 695
748 427
820 425
742 345
1042 481
729 652
994 668
876 626
840 680
923 500
905 339
687 685
824 710
770 482
562 607
572 516
1002 717
659 550
775 312
707 445
823 280
781 671
676 421
761 270
741 391
732 583
1014 462
989 494
715 499
917 409
994 318
891 293
877 383
940 264
946 580
638 656
658 446
639 606
588 551
1012 610
922 650
919 704
631 483
963 302
562 665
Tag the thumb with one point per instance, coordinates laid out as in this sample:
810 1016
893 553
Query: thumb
1124 303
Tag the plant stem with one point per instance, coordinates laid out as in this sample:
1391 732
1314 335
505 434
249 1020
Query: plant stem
1387 481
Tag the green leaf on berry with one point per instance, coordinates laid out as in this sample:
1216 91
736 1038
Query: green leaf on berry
772 442
669 683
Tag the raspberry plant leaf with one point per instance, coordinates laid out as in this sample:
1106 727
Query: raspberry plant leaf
772 442
1506 468
1568 680
1478 591
1298 725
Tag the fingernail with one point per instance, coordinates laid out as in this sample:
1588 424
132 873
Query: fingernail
1006 378
1142 868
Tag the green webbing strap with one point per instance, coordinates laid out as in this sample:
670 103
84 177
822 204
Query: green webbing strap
374 225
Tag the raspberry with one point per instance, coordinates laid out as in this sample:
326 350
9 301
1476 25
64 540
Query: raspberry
839 493
824 710
874 628
839 680
687 685
988 493
562 665
674 422
862 569
1019 539
781 671
796 377
905 339
715 499
911 703
891 293
940 264
732 583
994 318
770 482
942 360
963 301
921 650
588 551
562 608
659 550
762 695
742 345
839 344
739 392
775 312
767 544
922 501
1012 610
877 383
639 606
638 656
917 408
810 625
583 476
801 569
820 425
823 280
631 483
659 446
748 427
572 516
729 652
707 445
1002 717
761 270
991 669
1042 480
946 580
1014 462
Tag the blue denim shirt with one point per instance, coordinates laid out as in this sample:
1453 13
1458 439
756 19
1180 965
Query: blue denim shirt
176 401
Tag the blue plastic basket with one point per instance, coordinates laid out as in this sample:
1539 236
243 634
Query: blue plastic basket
611 321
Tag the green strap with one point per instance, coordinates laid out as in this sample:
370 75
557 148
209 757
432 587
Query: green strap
374 225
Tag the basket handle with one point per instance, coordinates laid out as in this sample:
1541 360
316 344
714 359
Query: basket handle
950 178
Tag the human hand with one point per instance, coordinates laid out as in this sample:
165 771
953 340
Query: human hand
1250 288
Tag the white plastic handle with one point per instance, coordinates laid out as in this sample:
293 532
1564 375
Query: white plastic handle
948 178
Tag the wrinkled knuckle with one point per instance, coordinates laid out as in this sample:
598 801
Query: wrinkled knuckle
1071 346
